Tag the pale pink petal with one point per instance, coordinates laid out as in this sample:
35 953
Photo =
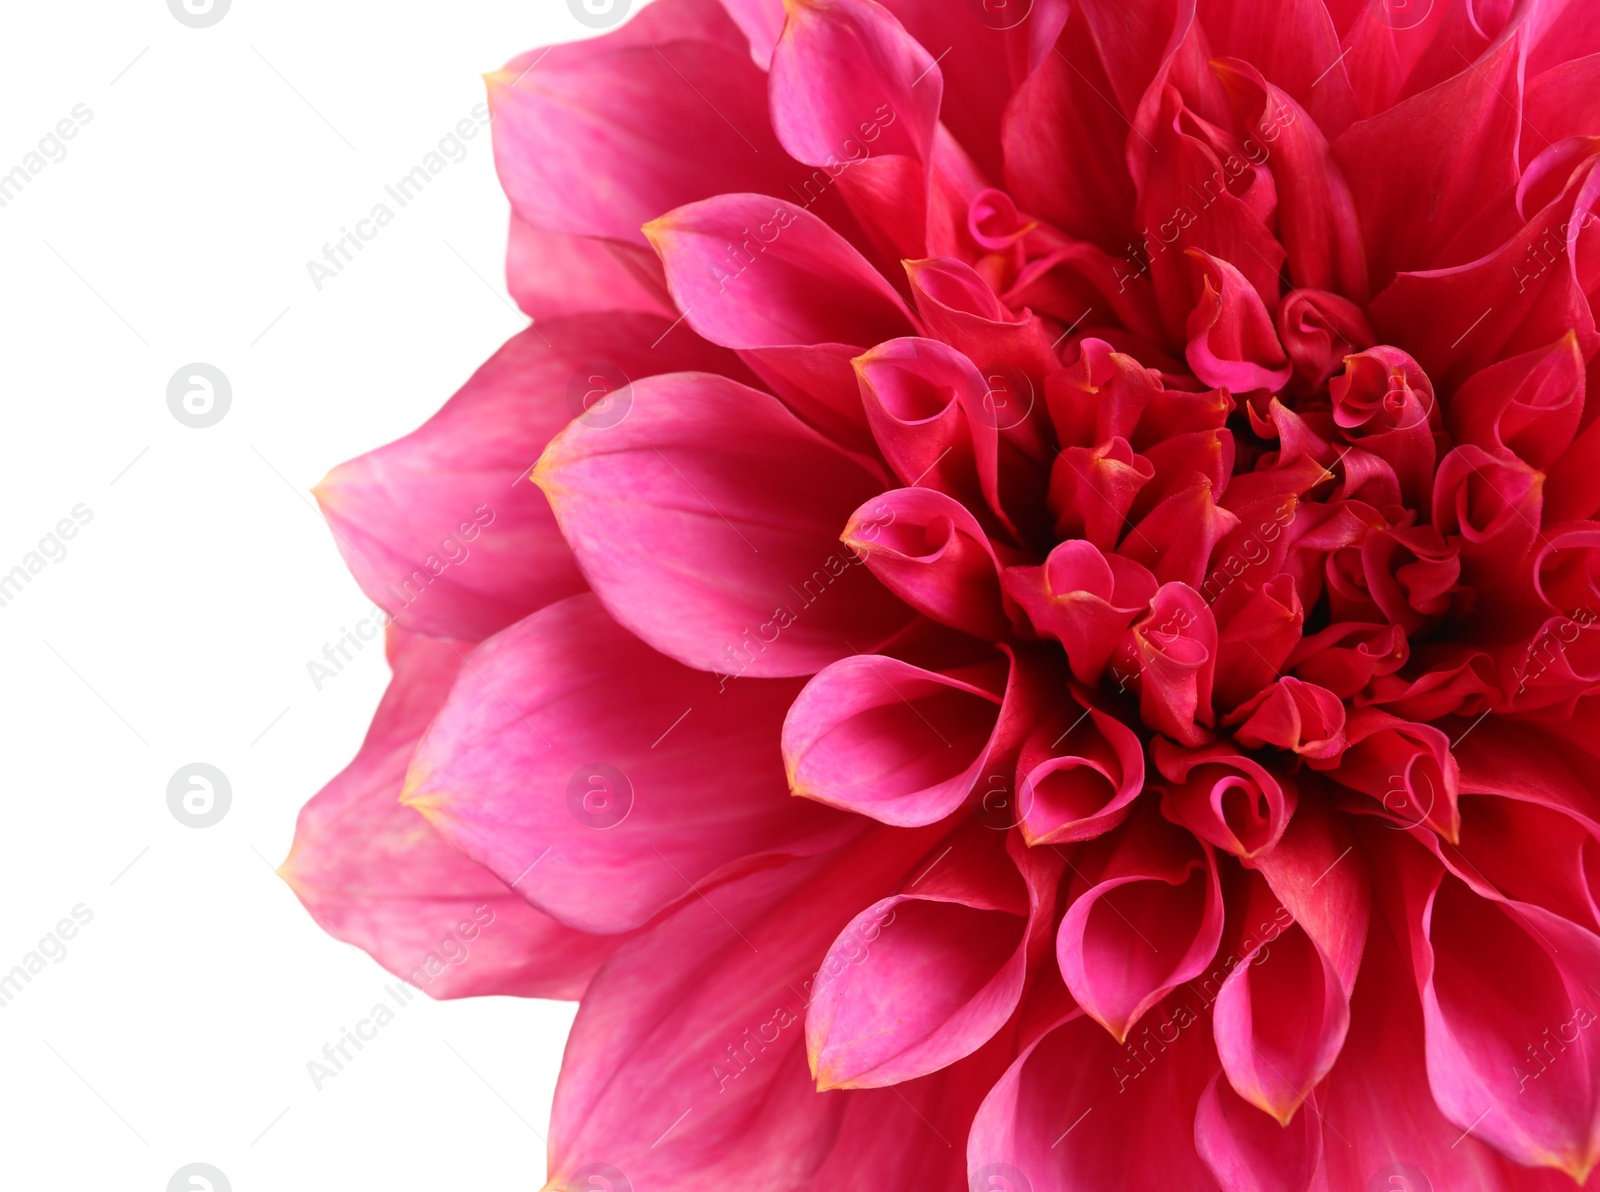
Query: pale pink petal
441 528
602 780
587 139
551 275
375 874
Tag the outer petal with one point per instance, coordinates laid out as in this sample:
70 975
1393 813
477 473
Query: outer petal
772 280
1459 319
436 526
1562 102
1077 1113
909 1135
708 521
551 274
1423 168
1280 1020
601 138
603 780
761 22
753 272
1316 215
1059 114
1508 1002
1378 1098
1293 43
842 65
686 1065
375 874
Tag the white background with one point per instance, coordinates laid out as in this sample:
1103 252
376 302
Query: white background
179 625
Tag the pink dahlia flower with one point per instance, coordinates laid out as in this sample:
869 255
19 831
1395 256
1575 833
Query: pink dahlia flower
1051 639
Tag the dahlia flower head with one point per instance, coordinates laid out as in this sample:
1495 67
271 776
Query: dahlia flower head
1023 617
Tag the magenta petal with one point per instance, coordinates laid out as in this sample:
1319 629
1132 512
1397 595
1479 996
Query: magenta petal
601 779
1146 916
1378 1095
375 874
1294 715
1077 1113
1292 42
931 552
1225 797
761 21
1462 318
754 272
1249 1152
892 740
687 1060
1080 775
1169 657
708 521
1455 143
1316 214
1407 767
1507 995
793 296
1279 1021
1092 491
1085 600
917 394
848 82
1232 342
1062 111
1319 874
960 308
925 977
